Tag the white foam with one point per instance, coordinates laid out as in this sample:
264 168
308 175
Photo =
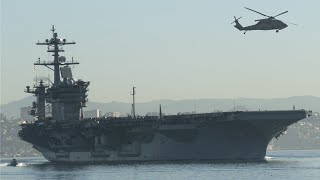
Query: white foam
4 164
268 157
7 164
21 164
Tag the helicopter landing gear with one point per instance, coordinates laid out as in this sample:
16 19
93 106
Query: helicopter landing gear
277 30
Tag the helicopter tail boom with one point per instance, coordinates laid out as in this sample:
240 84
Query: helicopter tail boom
238 26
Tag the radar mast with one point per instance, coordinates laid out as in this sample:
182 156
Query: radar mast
68 96
55 46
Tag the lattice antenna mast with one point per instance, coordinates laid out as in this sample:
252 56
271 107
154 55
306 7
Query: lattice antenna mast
55 46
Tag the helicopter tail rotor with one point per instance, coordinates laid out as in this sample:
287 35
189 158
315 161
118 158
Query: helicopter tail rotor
236 20
238 25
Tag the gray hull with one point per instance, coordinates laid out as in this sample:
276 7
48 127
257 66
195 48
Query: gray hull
224 136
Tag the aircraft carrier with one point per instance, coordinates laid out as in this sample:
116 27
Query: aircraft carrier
65 136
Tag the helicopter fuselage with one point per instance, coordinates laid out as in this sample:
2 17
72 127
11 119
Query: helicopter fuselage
267 25
263 24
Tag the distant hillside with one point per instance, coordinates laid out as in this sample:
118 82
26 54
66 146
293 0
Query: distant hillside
12 109
175 106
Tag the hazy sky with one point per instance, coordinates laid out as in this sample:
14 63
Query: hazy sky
168 49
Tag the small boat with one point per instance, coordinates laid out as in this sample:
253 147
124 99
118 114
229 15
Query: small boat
13 162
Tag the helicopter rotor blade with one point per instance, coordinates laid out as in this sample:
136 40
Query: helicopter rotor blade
259 19
292 23
257 12
280 14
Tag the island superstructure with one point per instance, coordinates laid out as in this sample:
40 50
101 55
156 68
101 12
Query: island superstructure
66 136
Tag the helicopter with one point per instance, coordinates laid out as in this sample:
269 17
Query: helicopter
269 23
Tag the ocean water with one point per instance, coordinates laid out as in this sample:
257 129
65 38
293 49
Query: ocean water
278 165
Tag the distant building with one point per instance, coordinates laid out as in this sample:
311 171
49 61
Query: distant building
92 113
3 116
152 114
113 114
25 113
187 113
